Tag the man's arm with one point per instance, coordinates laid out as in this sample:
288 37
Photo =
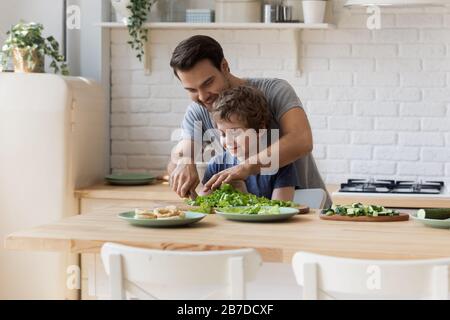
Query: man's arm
295 138
295 142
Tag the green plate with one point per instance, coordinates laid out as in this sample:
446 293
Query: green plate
132 176
285 213
434 223
190 217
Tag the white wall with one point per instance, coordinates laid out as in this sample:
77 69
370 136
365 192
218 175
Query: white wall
378 101
35 10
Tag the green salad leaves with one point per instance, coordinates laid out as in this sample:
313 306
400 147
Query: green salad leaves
227 196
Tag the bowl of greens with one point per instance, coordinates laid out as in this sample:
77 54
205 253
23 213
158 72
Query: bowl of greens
227 196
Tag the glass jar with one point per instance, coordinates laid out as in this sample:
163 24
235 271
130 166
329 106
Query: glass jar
174 10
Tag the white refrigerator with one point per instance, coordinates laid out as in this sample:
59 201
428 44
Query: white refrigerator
53 140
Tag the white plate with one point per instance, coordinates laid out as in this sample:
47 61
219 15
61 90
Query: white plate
190 217
434 223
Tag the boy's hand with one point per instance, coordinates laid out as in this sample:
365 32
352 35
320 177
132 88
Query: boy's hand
239 172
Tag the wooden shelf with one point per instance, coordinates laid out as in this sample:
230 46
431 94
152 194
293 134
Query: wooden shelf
252 26
295 27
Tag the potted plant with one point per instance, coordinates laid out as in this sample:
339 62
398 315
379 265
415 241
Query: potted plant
28 48
134 13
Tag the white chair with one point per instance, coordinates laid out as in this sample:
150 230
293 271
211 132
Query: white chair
163 274
313 198
274 281
325 277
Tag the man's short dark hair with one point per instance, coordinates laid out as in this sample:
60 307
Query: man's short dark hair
194 49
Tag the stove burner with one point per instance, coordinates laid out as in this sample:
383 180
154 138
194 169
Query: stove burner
392 186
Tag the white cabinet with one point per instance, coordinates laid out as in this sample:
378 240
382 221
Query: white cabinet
53 140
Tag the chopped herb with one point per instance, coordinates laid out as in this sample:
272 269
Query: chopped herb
358 209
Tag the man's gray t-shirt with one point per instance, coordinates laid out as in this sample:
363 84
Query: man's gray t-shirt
281 97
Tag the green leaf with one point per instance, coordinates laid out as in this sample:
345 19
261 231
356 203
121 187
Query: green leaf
138 34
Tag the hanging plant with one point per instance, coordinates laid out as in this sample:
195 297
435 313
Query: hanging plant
27 47
139 10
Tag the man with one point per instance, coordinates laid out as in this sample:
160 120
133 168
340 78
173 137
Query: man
198 62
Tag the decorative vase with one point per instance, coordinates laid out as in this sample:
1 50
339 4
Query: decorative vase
33 65
314 11
121 10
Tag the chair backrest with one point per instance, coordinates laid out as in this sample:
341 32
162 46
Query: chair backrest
313 198
325 277
165 274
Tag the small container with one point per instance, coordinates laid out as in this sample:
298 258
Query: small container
283 13
270 13
286 13
297 9
199 15
175 10
279 13
238 11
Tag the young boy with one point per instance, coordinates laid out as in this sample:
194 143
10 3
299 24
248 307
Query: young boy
236 111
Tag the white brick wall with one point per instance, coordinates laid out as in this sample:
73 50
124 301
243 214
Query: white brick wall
378 101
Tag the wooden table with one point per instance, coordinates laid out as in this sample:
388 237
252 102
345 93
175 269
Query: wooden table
277 242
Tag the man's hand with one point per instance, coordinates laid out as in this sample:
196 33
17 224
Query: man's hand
239 172
184 179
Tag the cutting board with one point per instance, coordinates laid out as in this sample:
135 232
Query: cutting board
336 217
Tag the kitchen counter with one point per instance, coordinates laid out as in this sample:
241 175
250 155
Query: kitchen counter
412 201
162 191
158 191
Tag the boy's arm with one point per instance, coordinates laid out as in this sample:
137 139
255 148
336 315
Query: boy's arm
239 185
211 169
285 182
284 194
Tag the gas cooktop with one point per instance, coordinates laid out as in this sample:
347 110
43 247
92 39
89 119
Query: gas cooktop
392 186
